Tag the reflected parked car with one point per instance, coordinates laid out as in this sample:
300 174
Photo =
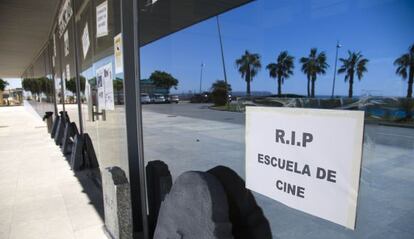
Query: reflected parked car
205 97
145 98
158 98
172 99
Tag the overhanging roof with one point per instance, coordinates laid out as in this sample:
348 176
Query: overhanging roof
24 29
165 17
25 25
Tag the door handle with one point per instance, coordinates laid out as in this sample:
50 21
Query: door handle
97 114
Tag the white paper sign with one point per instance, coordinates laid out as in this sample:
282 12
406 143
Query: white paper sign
101 89
54 45
109 89
105 87
85 40
102 19
66 42
64 82
87 90
65 14
58 84
119 61
307 159
67 72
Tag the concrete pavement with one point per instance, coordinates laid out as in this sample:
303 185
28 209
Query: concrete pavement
40 197
196 111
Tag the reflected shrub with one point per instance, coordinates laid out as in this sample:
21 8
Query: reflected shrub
220 92
219 96
37 86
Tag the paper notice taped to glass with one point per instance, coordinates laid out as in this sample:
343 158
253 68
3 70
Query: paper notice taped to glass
105 87
119 61
66 43
307 159
102 19
54 45
85 41
67 72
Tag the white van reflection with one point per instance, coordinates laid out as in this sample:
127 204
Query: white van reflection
145 98
158 98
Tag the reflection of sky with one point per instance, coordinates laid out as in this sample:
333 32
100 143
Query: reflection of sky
88 73
13 83
381 29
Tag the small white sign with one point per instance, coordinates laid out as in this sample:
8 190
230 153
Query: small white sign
119 61
85 41
307 159
66 42
54 45
57 84
102 19
87 91
67 72
64 82
65 13
105 86
100 88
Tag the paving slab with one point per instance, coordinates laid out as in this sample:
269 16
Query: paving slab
40 197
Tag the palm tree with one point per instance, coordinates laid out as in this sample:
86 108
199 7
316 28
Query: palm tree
355 63
308 69
313 65
282 69
405 64
248 66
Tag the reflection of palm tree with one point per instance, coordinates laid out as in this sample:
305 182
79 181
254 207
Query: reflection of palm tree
282 69
313 65
355 63
405 67
248 66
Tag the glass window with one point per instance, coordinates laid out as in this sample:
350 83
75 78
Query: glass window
190 124
103 101
39 83
57 62
67 49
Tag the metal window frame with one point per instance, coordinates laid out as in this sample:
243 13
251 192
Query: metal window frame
52 68
133 111
76 55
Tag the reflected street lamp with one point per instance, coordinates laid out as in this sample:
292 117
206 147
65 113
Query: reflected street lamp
221 48
201 75
222 58
336 61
